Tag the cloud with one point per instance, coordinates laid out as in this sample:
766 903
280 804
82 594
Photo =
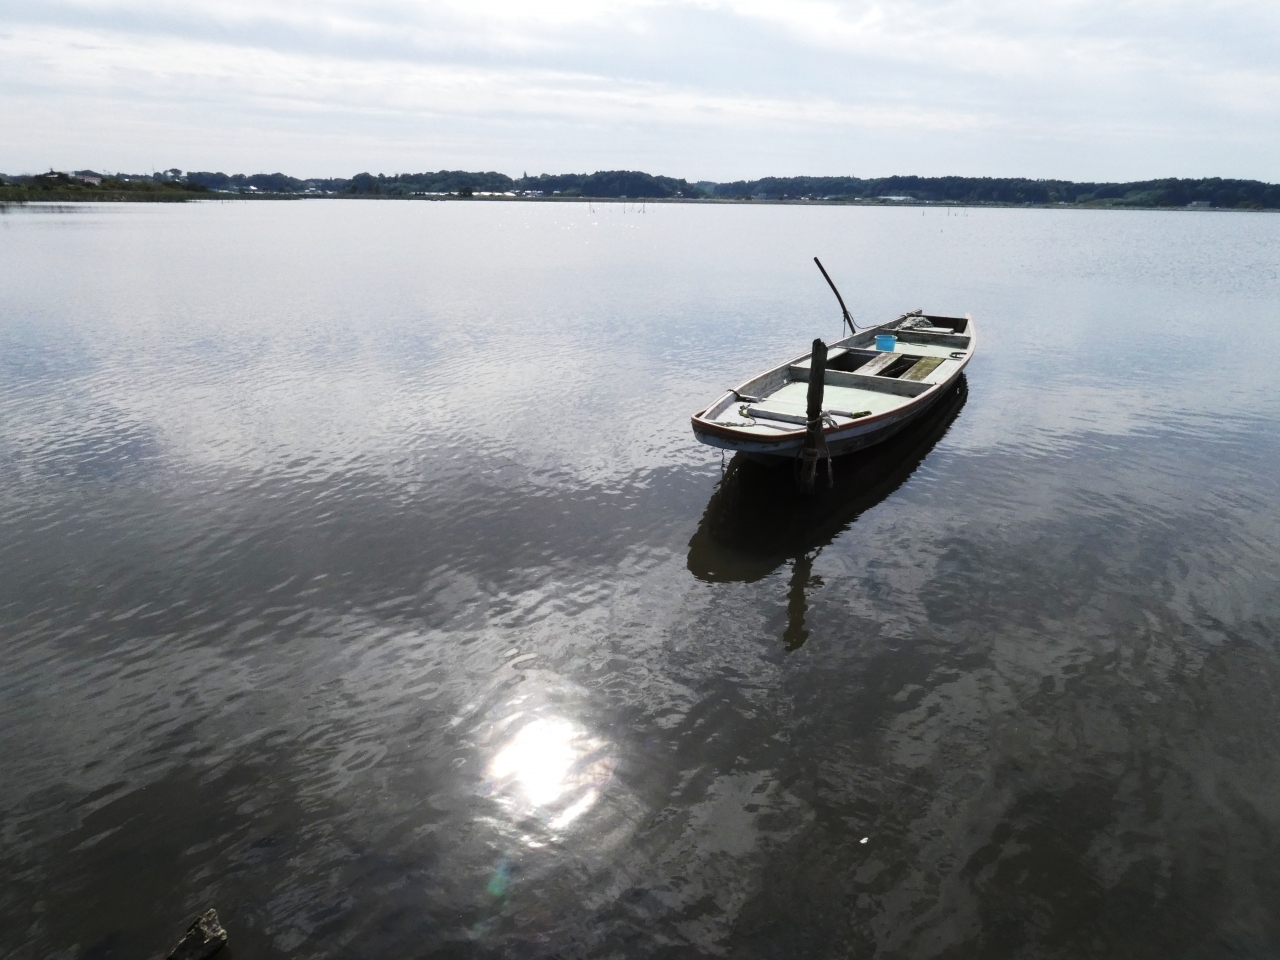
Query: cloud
700 88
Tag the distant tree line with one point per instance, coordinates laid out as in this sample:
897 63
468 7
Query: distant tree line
89 185
605 184
1172 192
631 184
610 184
259 183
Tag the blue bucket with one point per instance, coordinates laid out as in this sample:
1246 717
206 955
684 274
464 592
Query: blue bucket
886 342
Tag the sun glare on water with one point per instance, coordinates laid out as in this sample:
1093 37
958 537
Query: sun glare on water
551 767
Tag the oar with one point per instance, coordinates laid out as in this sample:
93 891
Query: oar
843 309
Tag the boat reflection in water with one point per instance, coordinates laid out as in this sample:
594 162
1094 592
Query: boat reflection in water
756 520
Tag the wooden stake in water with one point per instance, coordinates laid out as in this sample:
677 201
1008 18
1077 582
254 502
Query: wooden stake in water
813 438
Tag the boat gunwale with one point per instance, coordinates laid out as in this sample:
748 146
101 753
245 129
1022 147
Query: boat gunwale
785 439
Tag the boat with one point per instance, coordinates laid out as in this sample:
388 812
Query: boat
877 381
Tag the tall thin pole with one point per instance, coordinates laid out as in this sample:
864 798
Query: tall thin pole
843 309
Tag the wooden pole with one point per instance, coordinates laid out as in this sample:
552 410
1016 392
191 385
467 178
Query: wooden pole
843 309
813 435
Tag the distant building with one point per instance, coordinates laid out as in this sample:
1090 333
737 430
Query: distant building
1200 203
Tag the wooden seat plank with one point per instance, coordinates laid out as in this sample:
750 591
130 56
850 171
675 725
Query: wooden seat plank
922 368
879 363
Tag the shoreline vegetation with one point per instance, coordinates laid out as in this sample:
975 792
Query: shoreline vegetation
175 186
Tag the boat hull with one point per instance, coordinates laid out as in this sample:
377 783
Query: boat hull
841 438
839 442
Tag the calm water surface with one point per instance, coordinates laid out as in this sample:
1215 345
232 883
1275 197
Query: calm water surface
360 577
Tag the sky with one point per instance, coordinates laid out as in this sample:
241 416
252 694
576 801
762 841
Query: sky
701 89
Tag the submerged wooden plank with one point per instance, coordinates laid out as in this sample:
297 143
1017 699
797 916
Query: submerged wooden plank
922 368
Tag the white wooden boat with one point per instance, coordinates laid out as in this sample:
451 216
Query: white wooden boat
868 394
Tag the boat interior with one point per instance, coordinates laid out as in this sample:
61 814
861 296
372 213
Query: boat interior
860 380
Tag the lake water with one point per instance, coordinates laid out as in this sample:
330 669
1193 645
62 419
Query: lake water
360 576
